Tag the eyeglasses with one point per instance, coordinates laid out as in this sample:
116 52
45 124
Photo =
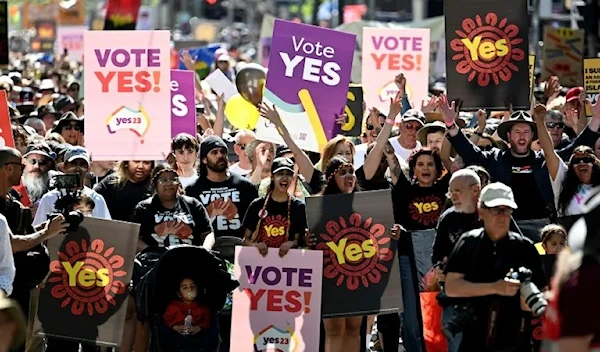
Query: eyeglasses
73 127
370 127
551 125
167 181
486 148
15 163
410 126
242 146
500 211
34 162
585 160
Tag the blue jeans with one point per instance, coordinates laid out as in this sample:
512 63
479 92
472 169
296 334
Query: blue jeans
411 324
454 343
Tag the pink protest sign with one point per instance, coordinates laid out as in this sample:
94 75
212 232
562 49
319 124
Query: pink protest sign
71 40
128 100
387 52
278 304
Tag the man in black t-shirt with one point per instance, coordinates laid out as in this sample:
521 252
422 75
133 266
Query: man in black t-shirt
477 269
226 196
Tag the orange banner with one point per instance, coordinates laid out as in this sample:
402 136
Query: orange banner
6 136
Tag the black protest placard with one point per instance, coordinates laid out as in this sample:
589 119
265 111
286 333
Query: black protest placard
45 36
354 110
3 34
486 53
360 267
84 298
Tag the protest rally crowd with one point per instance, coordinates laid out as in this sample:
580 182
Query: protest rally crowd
507 194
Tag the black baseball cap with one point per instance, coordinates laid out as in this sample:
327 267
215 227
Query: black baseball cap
280 164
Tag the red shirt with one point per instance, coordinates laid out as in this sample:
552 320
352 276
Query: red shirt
177 311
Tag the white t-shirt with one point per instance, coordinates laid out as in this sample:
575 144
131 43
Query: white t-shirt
236 169
401 152
574 207
7 262
47 202
188 180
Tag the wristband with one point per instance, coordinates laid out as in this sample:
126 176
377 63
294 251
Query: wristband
449 124
280 130
480 134
390 121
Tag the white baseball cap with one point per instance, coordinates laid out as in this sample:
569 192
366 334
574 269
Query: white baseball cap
498 194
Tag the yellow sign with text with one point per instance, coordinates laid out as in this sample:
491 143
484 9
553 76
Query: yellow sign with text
591 81
531 75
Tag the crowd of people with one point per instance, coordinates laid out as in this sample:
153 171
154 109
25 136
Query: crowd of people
493 185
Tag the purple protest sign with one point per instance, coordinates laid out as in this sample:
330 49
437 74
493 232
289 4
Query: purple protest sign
308 78
183 107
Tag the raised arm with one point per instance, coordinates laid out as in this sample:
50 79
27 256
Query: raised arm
552 159
374 158
304 164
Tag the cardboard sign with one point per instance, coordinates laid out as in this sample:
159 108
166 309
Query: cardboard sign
591 81
4 34
183 99
85 296
45 37
531 75
563 54
354 110
486 49
360 265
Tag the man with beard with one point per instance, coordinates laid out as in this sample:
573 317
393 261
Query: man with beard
34 183
225 195
519 167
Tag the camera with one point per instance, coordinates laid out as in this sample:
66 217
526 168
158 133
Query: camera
68 195
463 313
533 297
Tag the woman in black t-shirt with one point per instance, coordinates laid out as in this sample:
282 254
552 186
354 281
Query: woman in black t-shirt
277 219
343 334
124 189
169 218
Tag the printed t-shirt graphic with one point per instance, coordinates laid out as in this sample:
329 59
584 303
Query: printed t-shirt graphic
275 339
274 223
225 202
426 210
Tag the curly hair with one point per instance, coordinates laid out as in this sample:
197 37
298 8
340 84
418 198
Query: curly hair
412 161
159 170
334 165
572 182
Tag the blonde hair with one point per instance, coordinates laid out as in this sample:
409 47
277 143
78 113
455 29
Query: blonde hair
329 150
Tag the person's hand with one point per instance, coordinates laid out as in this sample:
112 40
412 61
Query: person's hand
221 102
552 88
179 328
431 105
341 118
506 287
310 239
285 248
188 61
374 117
400 81
270 113
571 116
56 226
439 273
481 119
539 114
194 330
582 97
447 110
208 132
80 139
395 106
395 231
262 249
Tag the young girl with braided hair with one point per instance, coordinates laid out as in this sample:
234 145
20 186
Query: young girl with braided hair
278 219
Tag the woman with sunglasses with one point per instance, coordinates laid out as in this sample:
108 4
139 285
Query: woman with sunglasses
572 181
167 218
342 334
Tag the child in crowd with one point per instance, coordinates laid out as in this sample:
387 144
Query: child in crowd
85 205
554 238
185 318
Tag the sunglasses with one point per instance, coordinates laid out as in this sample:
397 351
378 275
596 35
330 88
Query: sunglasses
411 127
73 127
551 125
585 160
37 162
486 148
167 181
370 127
242 146
500 211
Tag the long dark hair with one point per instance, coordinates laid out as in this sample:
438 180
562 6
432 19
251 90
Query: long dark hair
333 166
412 161
572 182
288 222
